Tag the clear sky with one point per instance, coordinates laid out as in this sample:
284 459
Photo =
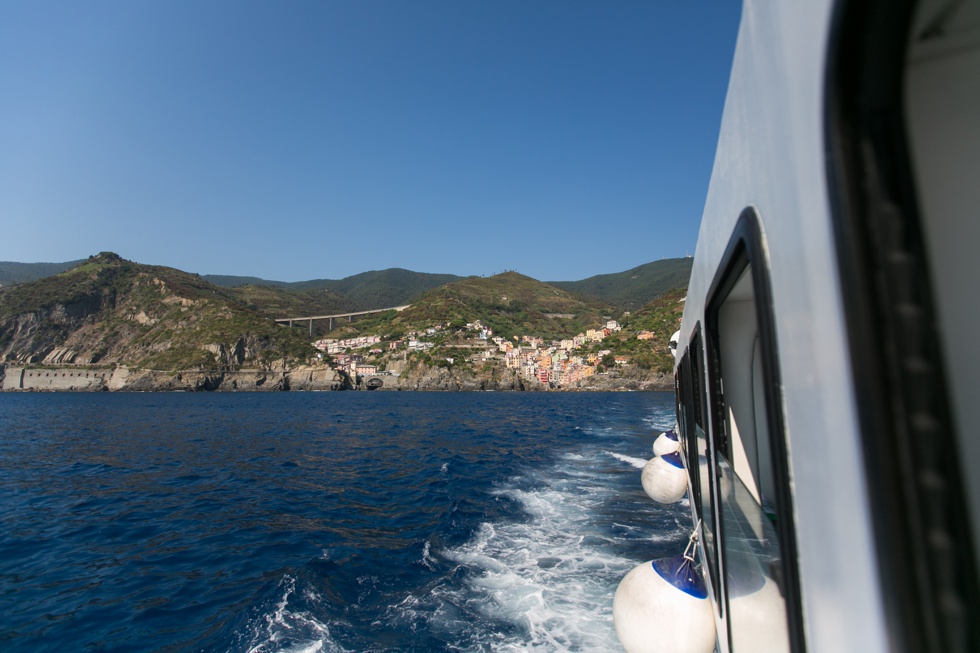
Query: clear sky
298 140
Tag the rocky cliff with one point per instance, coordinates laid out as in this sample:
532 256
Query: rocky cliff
111 313
443 379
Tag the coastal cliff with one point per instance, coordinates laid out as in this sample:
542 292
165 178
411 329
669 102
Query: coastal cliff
111 324
304 378
502 380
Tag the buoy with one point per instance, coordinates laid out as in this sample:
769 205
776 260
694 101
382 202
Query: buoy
665 443
664 479
662 607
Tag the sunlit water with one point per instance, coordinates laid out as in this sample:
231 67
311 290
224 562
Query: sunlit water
324 521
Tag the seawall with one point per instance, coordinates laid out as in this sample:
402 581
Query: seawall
67 379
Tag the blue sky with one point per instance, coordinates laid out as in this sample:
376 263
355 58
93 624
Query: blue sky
299 140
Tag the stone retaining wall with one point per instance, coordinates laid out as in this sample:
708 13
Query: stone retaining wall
123 379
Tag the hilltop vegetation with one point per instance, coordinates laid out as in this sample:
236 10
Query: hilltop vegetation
383 288
661 318
112 311
364 291
510 303
277 302
11 272
376 289
636 287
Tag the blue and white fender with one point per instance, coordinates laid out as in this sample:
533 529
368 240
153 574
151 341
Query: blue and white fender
666 442
664 479
662 607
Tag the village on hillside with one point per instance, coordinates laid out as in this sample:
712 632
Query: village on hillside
555 363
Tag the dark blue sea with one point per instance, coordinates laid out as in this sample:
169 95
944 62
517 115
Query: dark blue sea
352 521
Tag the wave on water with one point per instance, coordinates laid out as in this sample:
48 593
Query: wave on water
661 420
639 463
540 576
544 581
392 523
289 628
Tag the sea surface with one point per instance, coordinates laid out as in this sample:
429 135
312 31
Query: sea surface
337 521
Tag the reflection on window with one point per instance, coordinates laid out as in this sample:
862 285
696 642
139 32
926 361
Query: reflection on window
756 596
707 515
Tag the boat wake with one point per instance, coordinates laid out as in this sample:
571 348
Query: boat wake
291 627
535 566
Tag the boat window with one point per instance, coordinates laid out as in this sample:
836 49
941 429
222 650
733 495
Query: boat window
902 139
692 418
702 455
683 398
756 537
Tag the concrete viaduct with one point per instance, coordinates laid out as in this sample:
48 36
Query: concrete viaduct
330 318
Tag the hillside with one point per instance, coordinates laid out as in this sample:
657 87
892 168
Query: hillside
509 303
364 291
628 290
111 311
382 288
232 281
661 317
636 287
11 272
274 302
511 332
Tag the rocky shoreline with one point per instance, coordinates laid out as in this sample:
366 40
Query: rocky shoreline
304 378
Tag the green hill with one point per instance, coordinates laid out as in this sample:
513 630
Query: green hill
510 303
275 302
364 291
112 311
11 272
381 288
627 290
634 288
661 317
232 281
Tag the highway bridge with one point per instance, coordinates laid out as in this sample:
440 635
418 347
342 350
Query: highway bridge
330 318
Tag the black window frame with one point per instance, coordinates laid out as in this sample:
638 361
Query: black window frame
924 546
692 390
746 251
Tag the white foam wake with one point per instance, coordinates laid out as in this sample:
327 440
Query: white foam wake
551 576
639 463
290 631
547 575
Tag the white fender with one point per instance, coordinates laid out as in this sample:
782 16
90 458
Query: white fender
664 479
662 607
666 442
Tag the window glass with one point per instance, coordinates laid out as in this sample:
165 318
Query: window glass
752 559
703 460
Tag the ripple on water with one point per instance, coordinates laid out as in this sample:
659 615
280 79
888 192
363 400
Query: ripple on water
324 522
